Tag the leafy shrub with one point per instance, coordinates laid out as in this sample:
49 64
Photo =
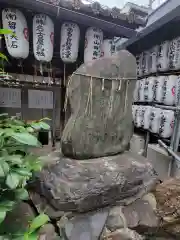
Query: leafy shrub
17 164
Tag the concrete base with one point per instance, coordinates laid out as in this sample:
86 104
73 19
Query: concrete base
159 159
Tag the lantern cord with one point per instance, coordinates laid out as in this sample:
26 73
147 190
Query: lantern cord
120 85
89 97
111 101
91 90
41 68
64 74
126 98
67 93
120 78
103 84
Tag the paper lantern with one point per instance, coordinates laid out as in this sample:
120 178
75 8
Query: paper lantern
108 48
69 46
147 116
141 90
149 89
155 118
166 123
172 53
18 43
177 91
159 89
43 37
169 90
153 59
138 117
162 60
177 54
147 55
136 92
93 44
134 113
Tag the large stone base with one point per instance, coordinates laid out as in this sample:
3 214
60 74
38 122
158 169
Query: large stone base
81 186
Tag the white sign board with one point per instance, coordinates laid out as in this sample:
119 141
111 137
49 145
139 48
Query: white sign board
40 99
10 97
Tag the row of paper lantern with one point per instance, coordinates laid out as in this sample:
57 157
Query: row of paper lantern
156 120
43 38
163 57
161 89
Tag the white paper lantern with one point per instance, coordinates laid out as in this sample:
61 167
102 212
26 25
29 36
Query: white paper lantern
153 59
177 54
93 44
172 53
142 114
149 85
163 60
146 62
138 60
159 89
169 90
177 91
108 48
134 108
155 118
69 47
43 37
166 123
147 116
135 113
136 92
139 116
18 43
141 90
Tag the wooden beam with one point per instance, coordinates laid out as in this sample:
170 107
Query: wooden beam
66 14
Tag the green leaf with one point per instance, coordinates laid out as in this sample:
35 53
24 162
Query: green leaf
23 172
6 31
26 138
2 216
44 126
36 126
22 194
30 129
15 159
31 236
38 222
2 56
4 168
13 180
44 119
6 206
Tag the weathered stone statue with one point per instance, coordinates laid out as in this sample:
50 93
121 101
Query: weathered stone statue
95 170
100 96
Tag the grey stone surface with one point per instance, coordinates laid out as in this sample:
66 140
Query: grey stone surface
43 206
47 232
140 214
82 186
101 115
86 226
124 234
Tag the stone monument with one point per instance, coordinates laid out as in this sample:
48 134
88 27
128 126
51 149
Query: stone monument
95 170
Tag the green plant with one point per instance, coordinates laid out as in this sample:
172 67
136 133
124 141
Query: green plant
17 165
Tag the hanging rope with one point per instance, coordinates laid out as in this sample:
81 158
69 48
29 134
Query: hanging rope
64 74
